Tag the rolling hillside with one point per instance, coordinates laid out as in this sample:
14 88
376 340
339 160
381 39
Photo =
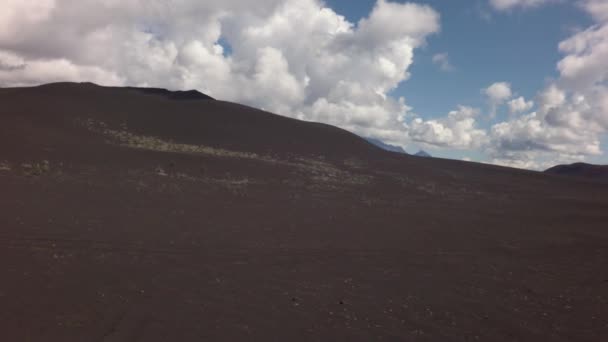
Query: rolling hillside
135 214
581 170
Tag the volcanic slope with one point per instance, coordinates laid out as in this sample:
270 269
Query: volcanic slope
131 214
583 170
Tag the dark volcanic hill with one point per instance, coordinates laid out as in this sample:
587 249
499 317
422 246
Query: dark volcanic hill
583 170
63 109
135 214
174 95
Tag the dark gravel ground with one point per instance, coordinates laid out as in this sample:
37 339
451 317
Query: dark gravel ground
136 216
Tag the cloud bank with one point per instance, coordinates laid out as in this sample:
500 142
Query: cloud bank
572 112
294 57
456 130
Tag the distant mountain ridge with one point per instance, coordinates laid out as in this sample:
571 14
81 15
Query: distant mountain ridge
385 146
582 170
395 148
423 153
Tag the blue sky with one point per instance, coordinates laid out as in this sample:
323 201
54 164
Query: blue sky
527 84
519 47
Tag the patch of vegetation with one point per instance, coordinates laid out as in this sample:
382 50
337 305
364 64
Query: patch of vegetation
157 144
319 170
237 186
325 172
354 163
36 169
5 166
160 171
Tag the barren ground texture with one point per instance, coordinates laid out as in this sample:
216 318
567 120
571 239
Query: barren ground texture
127 215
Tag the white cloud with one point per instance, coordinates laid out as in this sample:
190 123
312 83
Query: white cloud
456 130
443 61
16 71
10 61
294 57
567 127
572 111
520 105
392 20
562 130
531 132
597 8
585 63
497 93
503 5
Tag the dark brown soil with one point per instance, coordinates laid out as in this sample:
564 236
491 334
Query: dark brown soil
128 215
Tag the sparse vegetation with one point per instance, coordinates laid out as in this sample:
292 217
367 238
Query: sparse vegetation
318 170
325 172
160 171
236 186
157 144
5 166
36 169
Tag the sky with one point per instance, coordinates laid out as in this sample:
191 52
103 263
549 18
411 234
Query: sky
521 83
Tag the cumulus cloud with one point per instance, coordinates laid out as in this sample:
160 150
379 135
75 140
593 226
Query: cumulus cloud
520 105
586 55
566 127
443 61
598 9
497 93
294 57
529 140
15 71
572 111
456 130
